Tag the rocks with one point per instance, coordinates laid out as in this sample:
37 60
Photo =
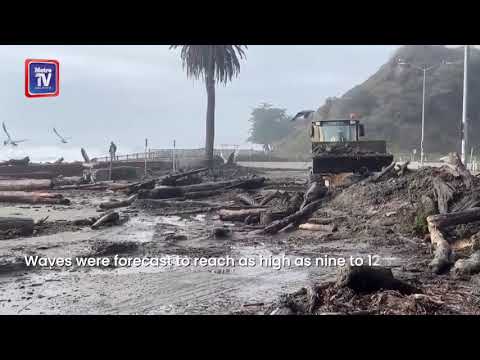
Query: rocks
221 232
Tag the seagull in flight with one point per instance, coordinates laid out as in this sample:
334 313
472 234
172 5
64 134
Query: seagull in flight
303 114
62 139
9 140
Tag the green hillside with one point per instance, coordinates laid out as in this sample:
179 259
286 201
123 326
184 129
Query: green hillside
390 103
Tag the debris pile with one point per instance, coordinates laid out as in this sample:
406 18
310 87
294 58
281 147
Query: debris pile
375 291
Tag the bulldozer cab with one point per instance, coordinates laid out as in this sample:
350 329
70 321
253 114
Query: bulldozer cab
336 131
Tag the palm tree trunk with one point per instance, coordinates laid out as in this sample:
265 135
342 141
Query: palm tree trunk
210 124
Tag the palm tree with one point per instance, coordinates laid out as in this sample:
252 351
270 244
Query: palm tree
213 64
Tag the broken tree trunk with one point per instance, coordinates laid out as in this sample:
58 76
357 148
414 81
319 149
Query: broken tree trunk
25 185
20 225
367 279
85 156
109 218
443 258
294 218
454 159
444 193
32 198
117 204
171 179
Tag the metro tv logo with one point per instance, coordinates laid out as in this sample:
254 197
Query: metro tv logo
42 78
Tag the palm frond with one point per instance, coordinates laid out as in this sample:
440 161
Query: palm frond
198 60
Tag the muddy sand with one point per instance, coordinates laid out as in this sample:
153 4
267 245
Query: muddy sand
365 230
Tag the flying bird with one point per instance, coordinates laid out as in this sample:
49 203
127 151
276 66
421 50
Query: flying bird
9 140
303 114
62 139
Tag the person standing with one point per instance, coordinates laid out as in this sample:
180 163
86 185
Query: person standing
112 151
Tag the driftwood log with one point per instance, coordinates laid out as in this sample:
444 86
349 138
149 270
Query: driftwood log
318 227
94 186
171 179
202 194
166 192
246 199
145 185
378 176
22 197
444 193
69 180
25 185
294 218
316 191
22 162
246 184
468 266
443 258
18 225
269 197
85 156
117 204
109 218
161 192
403 168
293 206
239 215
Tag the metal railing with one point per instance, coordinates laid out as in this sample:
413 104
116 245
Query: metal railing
163 154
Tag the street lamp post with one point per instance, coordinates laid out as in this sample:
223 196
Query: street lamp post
465 101
424 70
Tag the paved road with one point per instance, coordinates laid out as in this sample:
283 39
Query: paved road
304 165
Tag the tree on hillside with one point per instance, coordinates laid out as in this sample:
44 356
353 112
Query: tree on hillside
213 64
268 125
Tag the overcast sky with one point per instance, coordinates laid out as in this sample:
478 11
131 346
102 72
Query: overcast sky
127 93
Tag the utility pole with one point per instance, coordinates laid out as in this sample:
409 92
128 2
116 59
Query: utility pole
146 146
465 104
173 158
423 117
424 69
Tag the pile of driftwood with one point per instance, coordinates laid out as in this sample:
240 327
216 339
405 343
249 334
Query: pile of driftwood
30 191
456 205
453 200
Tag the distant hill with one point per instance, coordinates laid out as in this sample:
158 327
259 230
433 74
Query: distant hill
390 103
